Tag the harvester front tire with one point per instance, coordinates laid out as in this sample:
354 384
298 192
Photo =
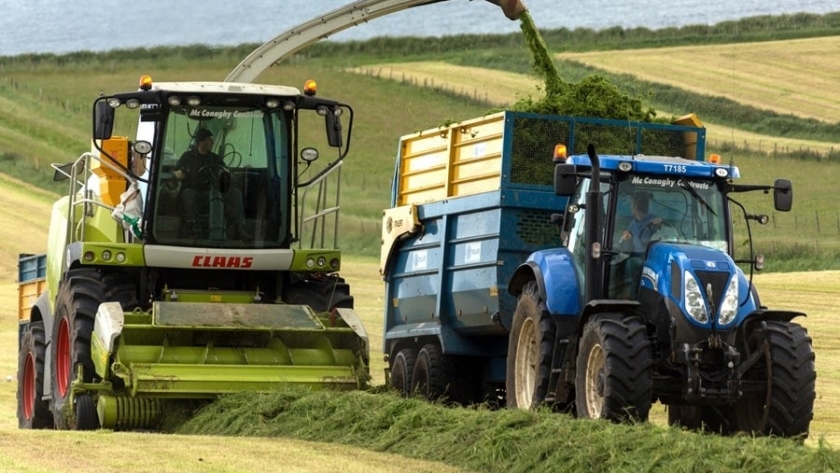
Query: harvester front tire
788 406
530 351
402 369
614 369
32 411
78 299
85 411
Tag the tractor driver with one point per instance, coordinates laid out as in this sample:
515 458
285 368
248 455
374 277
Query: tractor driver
627 270
200 170
643 226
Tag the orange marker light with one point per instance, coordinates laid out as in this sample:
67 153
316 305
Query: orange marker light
310 88
714 158
559 153
145 82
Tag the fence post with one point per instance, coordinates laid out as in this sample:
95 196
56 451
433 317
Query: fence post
817 216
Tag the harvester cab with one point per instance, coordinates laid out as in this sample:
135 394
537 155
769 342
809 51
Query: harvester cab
197 258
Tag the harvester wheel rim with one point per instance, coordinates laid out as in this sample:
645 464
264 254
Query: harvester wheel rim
63 357
527 358
595 366
29 386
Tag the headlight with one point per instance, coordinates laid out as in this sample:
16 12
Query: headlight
729 306
694 303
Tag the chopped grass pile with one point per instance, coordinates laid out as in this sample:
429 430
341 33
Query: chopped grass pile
594 96
481 439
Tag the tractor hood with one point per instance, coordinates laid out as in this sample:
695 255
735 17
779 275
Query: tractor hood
705 283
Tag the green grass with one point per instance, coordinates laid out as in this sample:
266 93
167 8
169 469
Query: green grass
484 440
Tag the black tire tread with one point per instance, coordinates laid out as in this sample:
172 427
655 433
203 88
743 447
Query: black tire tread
628 367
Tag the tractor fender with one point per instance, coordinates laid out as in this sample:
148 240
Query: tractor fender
755 318
556 277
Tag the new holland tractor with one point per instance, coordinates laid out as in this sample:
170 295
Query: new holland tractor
195 254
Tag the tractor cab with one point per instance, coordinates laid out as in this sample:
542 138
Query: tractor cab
223 165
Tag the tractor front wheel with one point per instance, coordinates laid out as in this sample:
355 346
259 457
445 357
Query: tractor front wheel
32 411
787 407
613 376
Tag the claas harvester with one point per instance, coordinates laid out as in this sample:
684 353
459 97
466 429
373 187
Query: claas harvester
150 297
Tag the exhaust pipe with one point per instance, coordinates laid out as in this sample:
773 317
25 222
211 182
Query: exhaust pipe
513 8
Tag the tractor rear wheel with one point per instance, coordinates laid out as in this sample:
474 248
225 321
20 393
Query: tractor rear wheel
402 368
78 299
530 351
32 412
787 407
614 369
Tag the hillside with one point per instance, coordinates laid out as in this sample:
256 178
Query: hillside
46 100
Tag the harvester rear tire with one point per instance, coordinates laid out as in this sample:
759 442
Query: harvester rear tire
530 351
32 411
788 369
614 369
402 369
79 296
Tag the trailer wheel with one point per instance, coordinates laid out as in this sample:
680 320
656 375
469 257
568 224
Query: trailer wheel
77 301
787 407
402 368
32 412
613 376
429 378
530 351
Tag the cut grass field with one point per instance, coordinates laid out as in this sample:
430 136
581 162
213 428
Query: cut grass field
816 293
386 110
797 77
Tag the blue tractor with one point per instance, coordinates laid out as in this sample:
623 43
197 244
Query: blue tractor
645 301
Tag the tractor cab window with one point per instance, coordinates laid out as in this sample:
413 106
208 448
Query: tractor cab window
219 179
682 210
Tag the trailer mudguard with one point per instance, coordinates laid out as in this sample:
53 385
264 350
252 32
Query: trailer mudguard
558 280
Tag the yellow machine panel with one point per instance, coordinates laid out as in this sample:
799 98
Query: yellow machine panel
451 161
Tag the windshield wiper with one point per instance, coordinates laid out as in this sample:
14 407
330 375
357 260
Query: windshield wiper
687 186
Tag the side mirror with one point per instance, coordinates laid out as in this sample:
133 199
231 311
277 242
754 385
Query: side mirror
103 120
783 195
333 122
565 179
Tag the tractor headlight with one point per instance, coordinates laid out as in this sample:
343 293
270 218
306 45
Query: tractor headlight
729 306
694 303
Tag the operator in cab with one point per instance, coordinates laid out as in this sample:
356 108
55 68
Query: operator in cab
202 173
627 268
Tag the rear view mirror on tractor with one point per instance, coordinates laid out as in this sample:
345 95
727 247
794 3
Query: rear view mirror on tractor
565 180
782 195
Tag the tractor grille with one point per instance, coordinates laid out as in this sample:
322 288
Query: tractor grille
718 280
